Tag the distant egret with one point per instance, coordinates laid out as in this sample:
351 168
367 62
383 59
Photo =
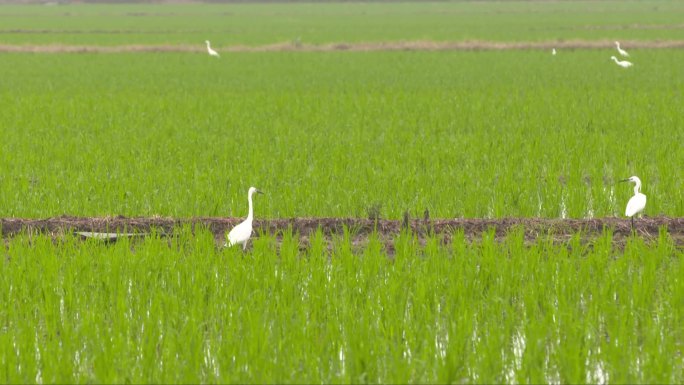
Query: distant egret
620 50
622 63
553 52
241 233
211 51
636 203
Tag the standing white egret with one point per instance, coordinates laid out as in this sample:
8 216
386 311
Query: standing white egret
620 50
211 51
622 63
553 52
241 233
636 203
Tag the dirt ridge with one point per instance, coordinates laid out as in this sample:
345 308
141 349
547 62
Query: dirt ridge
360 228
418 45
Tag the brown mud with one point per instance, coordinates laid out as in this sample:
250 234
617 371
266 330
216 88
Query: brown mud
421 45
560 230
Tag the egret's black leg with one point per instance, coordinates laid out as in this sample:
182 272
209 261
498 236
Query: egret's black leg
632 222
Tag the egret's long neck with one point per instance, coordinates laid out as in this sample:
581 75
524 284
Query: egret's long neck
614 59
208 46
618 45
250 216
637 188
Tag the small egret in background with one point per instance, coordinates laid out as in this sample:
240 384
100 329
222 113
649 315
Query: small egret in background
211 51
620 50
241 233
553 52
622 63
636 203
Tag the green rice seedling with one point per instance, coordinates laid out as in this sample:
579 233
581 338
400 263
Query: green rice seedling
508 135
181 309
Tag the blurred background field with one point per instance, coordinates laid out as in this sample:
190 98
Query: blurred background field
315 22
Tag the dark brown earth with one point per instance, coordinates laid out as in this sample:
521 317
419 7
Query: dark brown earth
421 45
560 229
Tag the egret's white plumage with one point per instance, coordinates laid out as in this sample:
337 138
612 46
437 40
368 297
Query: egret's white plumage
211 51
620 50
636 203
553 52
240 234
622 63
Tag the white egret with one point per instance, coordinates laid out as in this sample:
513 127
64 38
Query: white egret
211 51
241 233
620 50
622 63
636 203
553 52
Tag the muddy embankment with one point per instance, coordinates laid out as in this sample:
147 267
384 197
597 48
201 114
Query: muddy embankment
359 229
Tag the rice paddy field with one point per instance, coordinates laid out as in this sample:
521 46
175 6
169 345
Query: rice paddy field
117 110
